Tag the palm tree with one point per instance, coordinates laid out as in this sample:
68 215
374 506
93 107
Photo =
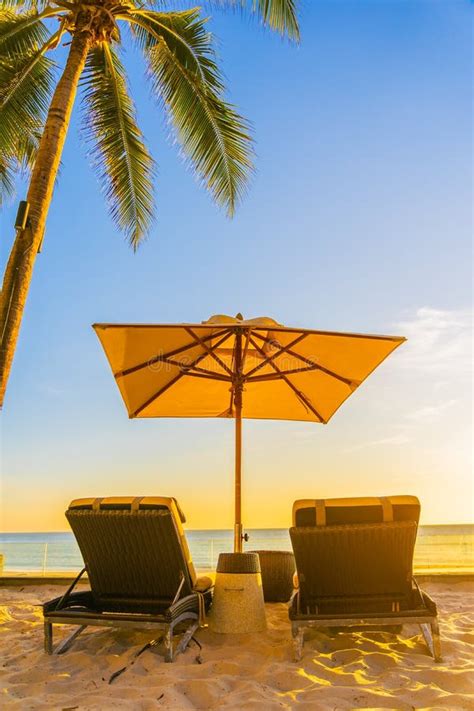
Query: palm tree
35 113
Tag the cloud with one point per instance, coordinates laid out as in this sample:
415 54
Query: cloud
50 390
430 413
438 342
395 439
430 381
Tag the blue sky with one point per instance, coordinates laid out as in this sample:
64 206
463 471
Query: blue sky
358 218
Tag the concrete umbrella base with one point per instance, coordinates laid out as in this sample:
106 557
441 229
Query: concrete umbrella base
238 606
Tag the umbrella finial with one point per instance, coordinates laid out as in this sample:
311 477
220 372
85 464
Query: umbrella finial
239 317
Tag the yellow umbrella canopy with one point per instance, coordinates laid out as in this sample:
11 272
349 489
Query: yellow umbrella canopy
235 368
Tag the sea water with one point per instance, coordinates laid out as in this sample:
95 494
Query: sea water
440 548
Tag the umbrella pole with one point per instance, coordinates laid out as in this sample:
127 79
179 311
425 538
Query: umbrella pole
238 473
237 387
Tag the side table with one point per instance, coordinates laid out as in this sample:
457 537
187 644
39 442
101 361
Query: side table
277 570
237 604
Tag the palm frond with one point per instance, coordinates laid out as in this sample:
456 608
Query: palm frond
20 161
183 73
22 5
7 179
21 34
26 85
186 34
119 155
27 149
278 15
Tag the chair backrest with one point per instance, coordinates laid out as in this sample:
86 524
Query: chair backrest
366 509
355 547
134 549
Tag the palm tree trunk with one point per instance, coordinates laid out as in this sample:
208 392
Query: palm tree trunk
19 269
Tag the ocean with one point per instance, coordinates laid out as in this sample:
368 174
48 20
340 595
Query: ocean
438 548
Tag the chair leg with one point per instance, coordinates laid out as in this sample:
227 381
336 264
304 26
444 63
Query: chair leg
48 637
169 644
436 641
431 636
66 643
298 641
186 638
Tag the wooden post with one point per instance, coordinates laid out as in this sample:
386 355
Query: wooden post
237 386
238 473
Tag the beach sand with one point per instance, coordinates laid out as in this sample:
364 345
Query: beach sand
339 671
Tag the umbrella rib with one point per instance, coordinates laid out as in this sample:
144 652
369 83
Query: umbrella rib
275 376
234 374
185 368
308 361
164 356
174 380
300 395
246 347
193 370
210 351
268 359
207 377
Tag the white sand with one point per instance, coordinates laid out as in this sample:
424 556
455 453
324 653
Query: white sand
338 671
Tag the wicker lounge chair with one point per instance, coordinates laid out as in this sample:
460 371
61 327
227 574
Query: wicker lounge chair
354 559
139 569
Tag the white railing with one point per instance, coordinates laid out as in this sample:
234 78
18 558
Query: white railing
432 552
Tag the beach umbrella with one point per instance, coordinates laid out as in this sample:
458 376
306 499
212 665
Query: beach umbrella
236 368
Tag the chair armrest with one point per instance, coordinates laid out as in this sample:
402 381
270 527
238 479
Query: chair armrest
203 583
